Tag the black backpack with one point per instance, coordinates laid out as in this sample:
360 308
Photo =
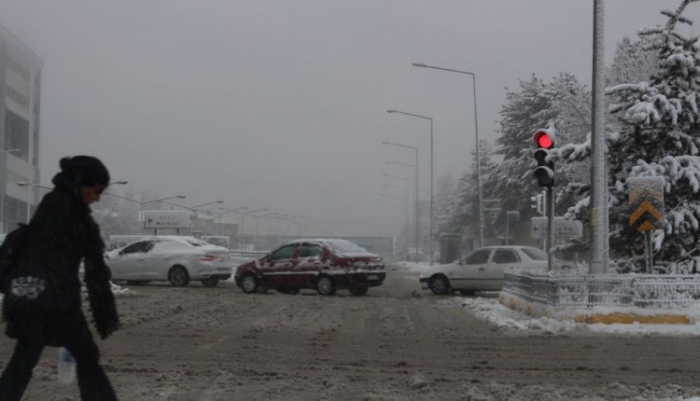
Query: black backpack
10 250
27 284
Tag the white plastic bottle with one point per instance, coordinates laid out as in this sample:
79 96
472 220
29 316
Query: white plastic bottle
66 366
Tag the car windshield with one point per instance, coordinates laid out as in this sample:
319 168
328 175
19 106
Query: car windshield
197 242
534 253
346 247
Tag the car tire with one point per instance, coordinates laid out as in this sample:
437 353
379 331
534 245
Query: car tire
440 285
467 293
249 284
210 282
179 277
358 290
325 285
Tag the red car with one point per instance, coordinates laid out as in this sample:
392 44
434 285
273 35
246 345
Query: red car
325 265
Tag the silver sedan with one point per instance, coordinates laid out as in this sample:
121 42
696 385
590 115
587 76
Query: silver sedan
170 258
481 269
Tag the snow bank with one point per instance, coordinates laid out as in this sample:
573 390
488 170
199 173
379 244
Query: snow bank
502 318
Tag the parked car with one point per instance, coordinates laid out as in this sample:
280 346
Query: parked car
325 265
170 258
481 269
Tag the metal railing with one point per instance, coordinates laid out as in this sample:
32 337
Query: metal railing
240 256
630 290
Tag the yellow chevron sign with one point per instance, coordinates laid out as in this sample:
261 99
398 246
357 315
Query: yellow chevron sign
646 202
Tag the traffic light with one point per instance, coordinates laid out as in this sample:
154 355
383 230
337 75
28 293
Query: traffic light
538 203
544 172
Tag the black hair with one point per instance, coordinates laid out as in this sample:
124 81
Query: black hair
85 171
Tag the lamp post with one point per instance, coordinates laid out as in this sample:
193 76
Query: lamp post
29 185
221 214
250 213
430 235
476 133
415 200
405 191
257 222
408 184
405 213
194 208
415 149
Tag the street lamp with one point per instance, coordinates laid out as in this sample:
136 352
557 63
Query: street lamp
476 133
221 214
250 213
415 200
416 194
28 185
193 208
405 213
405 191
430 239
415 206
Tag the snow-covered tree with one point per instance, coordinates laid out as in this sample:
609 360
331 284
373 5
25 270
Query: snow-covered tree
634 61
659 136
563 104
461 213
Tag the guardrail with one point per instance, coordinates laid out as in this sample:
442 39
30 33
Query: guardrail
635 290
240 256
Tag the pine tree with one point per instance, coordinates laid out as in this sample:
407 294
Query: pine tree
461 213
563 104
634 61
659 136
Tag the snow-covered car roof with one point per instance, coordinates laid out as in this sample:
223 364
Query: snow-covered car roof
187 241
341 246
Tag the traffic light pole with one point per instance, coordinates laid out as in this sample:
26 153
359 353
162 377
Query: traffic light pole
550 228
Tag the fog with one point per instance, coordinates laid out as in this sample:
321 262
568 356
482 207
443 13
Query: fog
282 104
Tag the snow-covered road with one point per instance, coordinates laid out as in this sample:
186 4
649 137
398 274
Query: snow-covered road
397 343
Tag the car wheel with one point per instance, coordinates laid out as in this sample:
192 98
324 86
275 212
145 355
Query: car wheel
440 285
249 284
210 282
179 277
325 285
358 290
467 293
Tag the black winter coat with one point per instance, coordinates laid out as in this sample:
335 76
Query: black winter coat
62 232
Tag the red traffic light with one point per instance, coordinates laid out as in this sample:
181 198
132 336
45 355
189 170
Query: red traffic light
544 139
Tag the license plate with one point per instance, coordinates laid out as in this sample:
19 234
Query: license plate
372 277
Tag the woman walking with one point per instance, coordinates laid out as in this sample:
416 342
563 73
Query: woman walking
42 304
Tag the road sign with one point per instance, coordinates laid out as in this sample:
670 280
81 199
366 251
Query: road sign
562 228
513 215
166 219
646 203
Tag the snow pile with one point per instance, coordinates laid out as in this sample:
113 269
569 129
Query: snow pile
505 319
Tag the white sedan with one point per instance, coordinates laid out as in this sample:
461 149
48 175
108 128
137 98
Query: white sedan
481 269
171 258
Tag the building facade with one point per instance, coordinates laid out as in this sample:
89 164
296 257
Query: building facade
20 92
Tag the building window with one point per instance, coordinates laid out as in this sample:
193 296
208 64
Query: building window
17 135
15 212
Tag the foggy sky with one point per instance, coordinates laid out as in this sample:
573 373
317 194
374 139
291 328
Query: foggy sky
282 104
